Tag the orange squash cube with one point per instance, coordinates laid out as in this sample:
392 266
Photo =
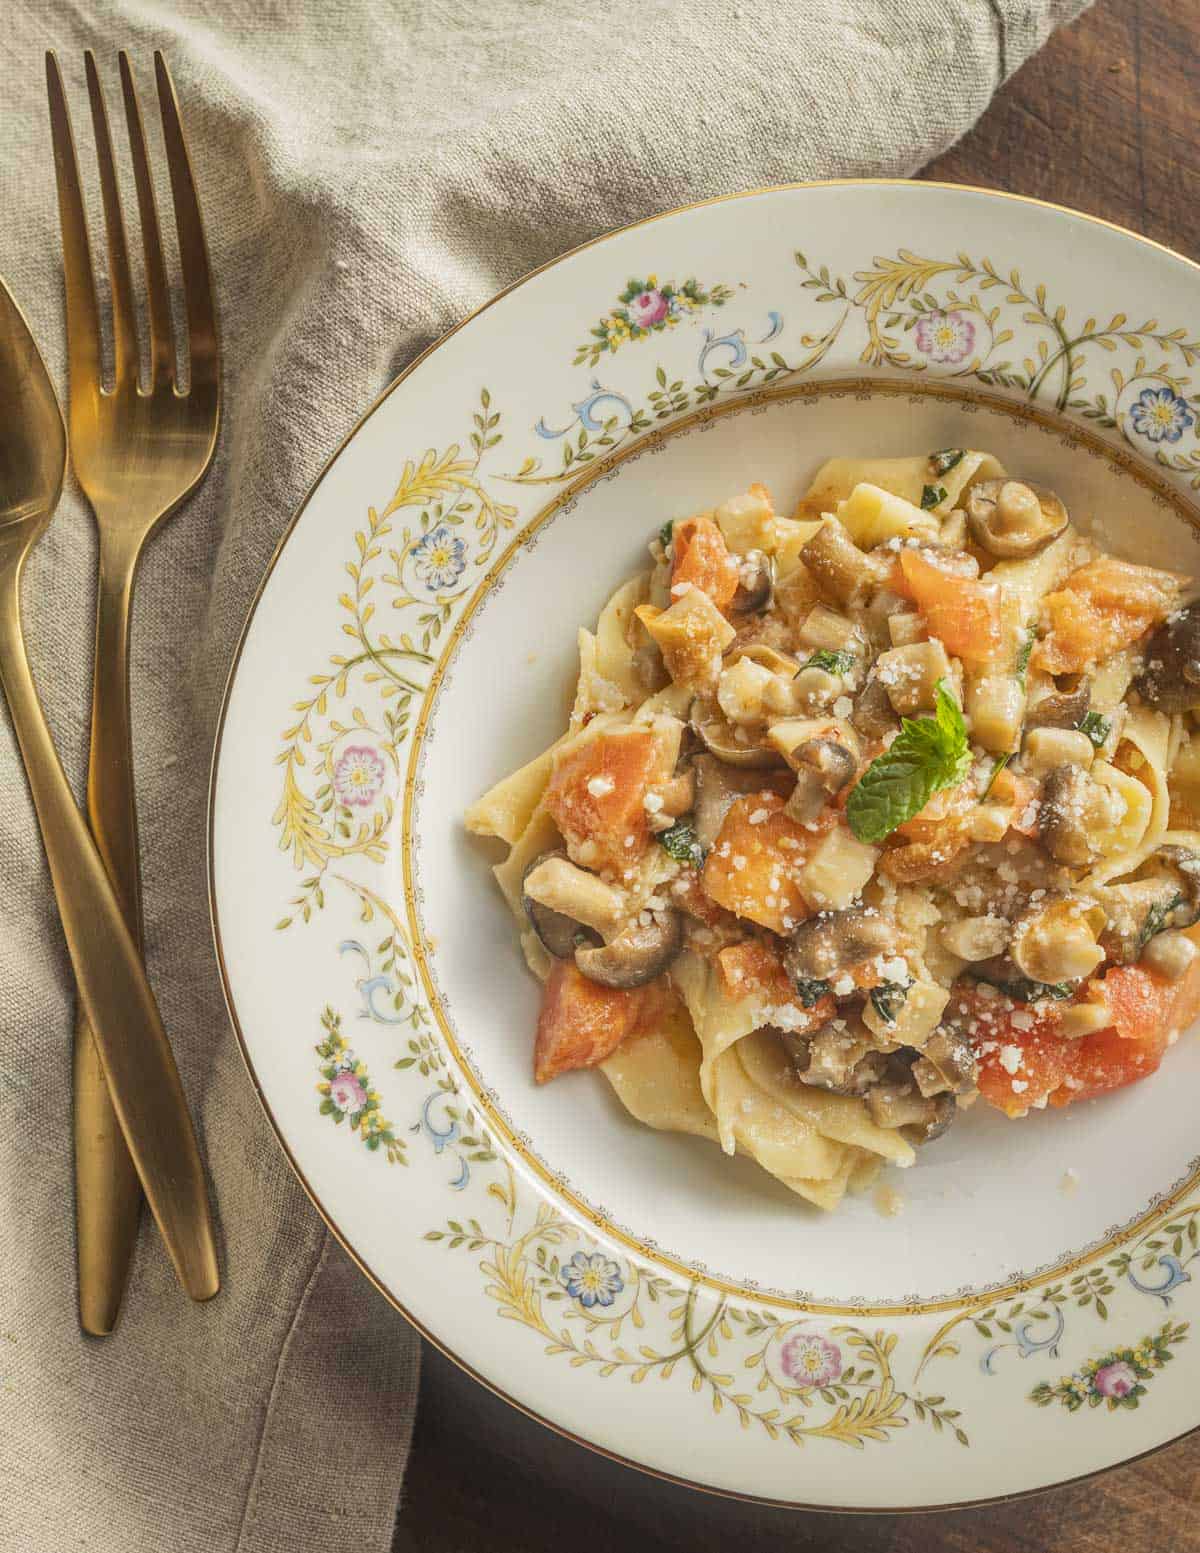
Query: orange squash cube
753 868
702 558
596 797
581 1022
1101 608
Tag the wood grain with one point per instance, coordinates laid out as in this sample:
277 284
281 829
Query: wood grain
1105 119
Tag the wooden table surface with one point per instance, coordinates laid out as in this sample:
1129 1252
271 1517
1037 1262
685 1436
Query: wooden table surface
1106 119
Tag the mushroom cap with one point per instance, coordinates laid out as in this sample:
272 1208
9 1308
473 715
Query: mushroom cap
756 585
1061 708
944 1112
827 944
1063 816
1185 865
559 934
1011 519
715 733
1170 681
639 953
833 763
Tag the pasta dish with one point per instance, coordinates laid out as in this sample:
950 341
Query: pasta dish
865 814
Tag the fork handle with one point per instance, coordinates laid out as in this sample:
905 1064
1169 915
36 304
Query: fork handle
143 1080
108 1195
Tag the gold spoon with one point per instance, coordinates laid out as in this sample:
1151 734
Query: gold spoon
142 1077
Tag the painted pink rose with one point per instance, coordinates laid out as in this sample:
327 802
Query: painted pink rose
1115 1380
648 307
946 337
347 1093
810 1359
358 776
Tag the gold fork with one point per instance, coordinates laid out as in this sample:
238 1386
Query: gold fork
138 451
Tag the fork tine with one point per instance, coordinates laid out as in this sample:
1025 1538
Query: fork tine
193 254
162 350
125 350
83 319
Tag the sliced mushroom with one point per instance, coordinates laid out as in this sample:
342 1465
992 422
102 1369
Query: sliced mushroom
734 748
952 1056
823 767
1162 896
1184 867
933 1126
839 566
1010 519
638 954
825 945
717 785
901 1104
1064 815
1055 941
558 932
842 1061
874 714
756 585
769 657
1171 679
649 667
1061 708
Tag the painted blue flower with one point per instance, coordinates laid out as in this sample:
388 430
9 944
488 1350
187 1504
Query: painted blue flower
440 558
592 1280
1161 415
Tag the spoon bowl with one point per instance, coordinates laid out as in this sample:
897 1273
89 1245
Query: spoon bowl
33 450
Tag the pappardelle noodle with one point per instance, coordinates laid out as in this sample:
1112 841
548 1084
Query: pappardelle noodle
864 814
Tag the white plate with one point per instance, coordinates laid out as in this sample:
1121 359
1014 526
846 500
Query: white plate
1014 1327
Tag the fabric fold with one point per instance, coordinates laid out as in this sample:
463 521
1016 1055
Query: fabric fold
369 174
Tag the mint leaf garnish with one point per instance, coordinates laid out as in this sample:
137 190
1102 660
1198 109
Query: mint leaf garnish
889 998
681 843
1021 989
832 662
810 992
998 766
1096 727
1021 661
928 755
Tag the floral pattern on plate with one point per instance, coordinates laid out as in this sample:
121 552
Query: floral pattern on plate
586 1303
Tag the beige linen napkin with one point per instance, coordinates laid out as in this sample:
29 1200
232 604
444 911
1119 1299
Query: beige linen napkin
370 173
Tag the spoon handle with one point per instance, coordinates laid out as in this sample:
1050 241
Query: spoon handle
108 1197
142 1077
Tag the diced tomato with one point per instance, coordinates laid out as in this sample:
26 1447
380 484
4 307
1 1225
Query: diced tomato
753 867
1140 1002
961 611
597 794
1017 1066
1147 1010
581 1022
702 558
1101 608
1107 1061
